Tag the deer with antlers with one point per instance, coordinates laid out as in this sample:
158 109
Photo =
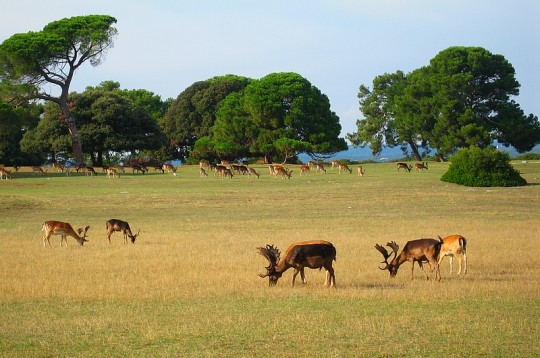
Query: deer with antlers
65 229
314 254
421 250
119 225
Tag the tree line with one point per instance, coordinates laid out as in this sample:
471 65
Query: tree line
464 97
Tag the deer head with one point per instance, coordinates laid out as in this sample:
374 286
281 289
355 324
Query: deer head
390 266
133 237
272 254
82 234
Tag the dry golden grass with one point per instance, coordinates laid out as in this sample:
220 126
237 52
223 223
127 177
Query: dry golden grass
189 285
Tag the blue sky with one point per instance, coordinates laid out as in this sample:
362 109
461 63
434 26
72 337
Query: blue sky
164 46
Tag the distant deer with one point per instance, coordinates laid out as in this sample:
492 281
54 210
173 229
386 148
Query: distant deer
361 171
65 229
408 168
304 169
111 172
4 173
252 171
420 251
454 246
202 172
421 166
314 254
38 171
119 225
320 168
344 167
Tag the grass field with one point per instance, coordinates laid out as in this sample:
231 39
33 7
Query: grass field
189 286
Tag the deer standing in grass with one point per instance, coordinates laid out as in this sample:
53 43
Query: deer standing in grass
404 166
119 225
454 246
65 229
420 251
314 254
344 167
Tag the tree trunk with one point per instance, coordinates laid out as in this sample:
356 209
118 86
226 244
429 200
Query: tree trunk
72 127
415 151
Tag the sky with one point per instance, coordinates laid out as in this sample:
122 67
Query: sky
164 46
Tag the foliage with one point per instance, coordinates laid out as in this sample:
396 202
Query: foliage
277 116
528 156
463 98
482 167
31 63
193 113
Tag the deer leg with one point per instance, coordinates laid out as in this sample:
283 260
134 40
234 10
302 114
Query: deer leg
422 268
296 271
330 277
464 262
303 276
452 264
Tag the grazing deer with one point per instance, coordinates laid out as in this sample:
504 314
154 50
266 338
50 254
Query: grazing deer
420 251
279 170
169 168
111 172
5 174
204 164
138 168
421 166
320 168
404 166
61 228
361 171
344 167
38 170
119 225
271 170
312 254
202 173
223 171
252 171
304 169
311 164
89 171
454 245
58 167
334 164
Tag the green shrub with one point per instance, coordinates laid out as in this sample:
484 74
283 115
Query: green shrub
528 156
482 167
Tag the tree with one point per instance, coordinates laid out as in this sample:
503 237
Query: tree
34 61
193 113
277 107
463 98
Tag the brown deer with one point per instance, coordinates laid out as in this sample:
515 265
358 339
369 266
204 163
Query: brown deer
202 173
58 167
420 251
169 168
400 165
61 228
344 167
454 246
119 225
314 254
111 172
279 170
89 171
361 171
38 171
304 169
4 173
320 168
421 166
252 171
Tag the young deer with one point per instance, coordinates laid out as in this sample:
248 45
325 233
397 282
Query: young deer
454 245
404 166
119 225
61 228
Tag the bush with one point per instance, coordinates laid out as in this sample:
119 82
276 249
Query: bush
528 156
482 167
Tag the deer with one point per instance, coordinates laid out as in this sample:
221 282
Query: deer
421 166
454 246
314 254
65 229
320 168
335 163
38 171
344 167
304 169
111 172
401 165
361 171
252 171
138 168
89 171
223 171
202 173
168 168
5 174
119 225
420 251
279 170
58 167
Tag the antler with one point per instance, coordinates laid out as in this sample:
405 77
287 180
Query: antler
271 253
385 253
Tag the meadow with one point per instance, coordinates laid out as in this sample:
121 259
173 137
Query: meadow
189 286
